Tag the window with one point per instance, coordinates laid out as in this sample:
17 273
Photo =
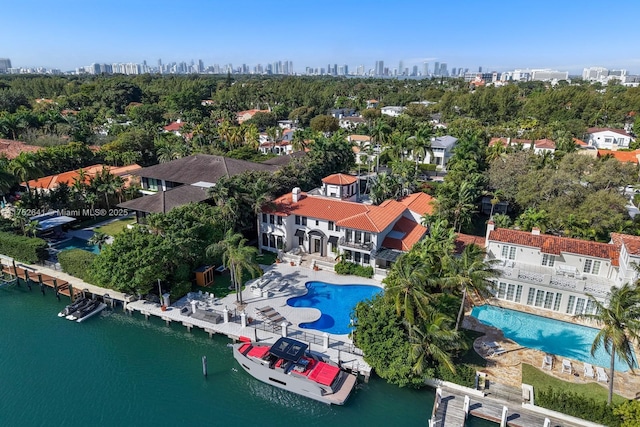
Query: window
532 293
501 290
337 228
348 235
571 304
510 291
317 223
518 293
279 220
279 242
539 298
590 307
580 306
265 240
357 257
304 220
591 266
367 237
272 219
358 237
556 304
548 260
366 259
264 217
272 241
300 240
508 252
331 223
298 220
608 140
548 300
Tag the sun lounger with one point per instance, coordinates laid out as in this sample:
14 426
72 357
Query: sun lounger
267 312
602 375
588 370
284 286
497 351
547 362
490 345
566 367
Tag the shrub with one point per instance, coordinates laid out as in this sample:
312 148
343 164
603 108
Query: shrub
24 249
465 375
345 267
180 289
578 406
424 168
77 262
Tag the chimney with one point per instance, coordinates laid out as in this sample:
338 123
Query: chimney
295 195
535 231
490 227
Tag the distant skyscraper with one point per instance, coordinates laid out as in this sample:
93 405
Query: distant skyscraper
5 64
436 69
379 70
401 67
414 71
480 69
425 69
443 69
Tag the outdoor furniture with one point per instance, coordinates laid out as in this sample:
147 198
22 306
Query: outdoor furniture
588 370
547 362
602 375
284 286
566 367
496 351
490 345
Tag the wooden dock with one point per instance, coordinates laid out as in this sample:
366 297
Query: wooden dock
449 411
61 287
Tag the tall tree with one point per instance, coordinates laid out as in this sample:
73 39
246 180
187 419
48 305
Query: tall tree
24 167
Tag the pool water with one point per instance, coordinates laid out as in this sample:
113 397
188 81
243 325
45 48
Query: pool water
335 302
549 335
77 243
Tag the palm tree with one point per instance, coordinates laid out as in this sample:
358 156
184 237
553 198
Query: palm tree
433 339
464 205
251 136
99 239
405 288
24 167
469 273
620 321
237 257
31 228
298 143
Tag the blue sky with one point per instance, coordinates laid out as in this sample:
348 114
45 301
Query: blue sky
497 36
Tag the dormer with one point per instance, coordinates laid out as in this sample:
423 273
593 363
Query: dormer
340 186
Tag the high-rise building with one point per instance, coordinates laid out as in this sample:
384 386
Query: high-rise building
379 70
5 64
425 69
436 69
443 69
414 71
401 67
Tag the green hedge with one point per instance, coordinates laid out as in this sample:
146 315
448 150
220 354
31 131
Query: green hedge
23 249
465 374
345 267
578 406
76 262
424 168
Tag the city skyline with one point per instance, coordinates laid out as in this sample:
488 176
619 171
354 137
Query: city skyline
312 34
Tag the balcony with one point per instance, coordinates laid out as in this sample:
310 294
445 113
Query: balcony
561 277
353 245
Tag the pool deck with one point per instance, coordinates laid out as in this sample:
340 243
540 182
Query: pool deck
507 367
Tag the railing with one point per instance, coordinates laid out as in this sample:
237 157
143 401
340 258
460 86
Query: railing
362 245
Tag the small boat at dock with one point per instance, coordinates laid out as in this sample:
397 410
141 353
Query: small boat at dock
288 365
87 314
73 307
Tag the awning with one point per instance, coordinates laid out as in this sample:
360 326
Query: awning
389 254
299 232
50 223
333 240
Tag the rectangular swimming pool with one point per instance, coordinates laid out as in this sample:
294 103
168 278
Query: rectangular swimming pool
549 335
76 243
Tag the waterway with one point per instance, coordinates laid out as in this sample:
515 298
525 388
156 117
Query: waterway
118 369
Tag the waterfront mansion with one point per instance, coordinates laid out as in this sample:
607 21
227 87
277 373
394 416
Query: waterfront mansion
558 273
329 221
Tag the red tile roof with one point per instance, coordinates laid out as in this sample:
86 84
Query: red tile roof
339 179
618 131
538 143
361 138
631 243
420 203
174 126
53 181
622 156
556 245
545 143
376 218
580 142
411 232
463 240
10 148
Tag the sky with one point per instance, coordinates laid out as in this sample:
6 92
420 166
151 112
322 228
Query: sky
66 34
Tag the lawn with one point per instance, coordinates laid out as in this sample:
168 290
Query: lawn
115 227
266 258
541 381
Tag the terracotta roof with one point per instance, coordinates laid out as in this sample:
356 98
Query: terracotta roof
556 245
376 218
361 138
463 240
538 143
53 181
622 156
10 148
618 131
631 243
420 203
174 126
339 179
580 142
545 143
355 149
411 233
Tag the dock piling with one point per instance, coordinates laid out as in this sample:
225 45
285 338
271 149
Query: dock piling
55 288
41 284
204 366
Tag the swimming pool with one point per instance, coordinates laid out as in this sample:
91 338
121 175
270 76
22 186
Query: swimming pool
335 302
77 243
549 335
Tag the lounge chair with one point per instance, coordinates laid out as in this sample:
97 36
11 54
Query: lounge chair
491 345
284 286
496 351
566 367
602 375
547 362
588 370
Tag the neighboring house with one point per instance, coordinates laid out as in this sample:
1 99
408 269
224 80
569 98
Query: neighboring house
359 140
540 146
51 182
243 116
185 180
11 149
622 156
350 123
392 111
174 127
608 139
372 103
326 222
339 113
556 273
360 143
207 102
442 150
286 124
284 145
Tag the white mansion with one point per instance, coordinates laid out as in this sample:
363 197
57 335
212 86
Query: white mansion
558 273
329 221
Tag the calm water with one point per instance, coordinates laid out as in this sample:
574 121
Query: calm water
117 369
77 243
549 335
336 302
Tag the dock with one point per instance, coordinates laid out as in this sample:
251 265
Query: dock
452 408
